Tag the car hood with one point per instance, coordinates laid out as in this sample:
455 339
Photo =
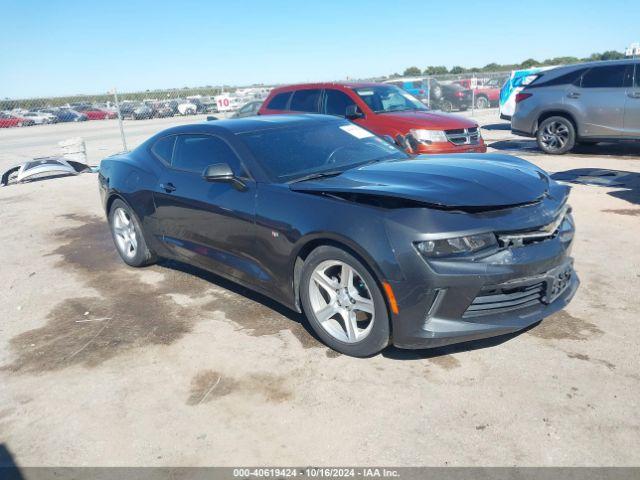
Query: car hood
428 120
469 180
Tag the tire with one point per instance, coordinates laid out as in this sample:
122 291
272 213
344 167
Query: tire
437 92
446 106
482 102
359 299
556 135
134 254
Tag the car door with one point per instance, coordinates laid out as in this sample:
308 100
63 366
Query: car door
632 107
598 98
210 224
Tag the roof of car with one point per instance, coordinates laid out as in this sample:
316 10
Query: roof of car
253 123
297 86
268 122
598 63
405 79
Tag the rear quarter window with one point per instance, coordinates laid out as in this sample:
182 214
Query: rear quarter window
280 101
163 148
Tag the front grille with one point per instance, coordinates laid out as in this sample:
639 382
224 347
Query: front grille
499 300
541 234
463 136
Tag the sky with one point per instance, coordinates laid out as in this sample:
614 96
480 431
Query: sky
65 47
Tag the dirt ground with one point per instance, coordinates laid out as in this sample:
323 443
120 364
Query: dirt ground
102 364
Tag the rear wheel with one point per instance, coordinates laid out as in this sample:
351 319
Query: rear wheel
343 303
127 236
556 135
482 102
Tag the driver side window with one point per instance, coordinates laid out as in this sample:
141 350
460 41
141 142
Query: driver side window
336 102
193 153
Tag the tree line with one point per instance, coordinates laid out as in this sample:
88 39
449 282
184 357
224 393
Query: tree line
496 67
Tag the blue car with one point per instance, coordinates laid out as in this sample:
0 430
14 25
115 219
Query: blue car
66 115
416 86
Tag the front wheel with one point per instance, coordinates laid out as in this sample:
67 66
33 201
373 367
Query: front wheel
556 135
128 237
446 106
343 303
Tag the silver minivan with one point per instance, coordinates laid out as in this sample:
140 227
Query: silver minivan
584 103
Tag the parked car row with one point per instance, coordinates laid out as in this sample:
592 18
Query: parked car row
80 112
457 95
24 118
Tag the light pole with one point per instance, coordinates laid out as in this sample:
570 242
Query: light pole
124 140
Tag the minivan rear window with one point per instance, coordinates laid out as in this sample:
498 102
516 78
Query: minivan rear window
279 102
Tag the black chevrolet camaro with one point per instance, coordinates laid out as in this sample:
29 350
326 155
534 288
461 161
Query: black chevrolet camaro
374 246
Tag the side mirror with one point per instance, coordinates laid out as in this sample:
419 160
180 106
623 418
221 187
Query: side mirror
222 173
352 112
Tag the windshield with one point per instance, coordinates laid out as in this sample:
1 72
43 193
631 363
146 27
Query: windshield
289 154
388 98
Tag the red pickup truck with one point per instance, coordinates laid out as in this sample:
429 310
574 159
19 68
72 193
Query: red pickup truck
486 93
384 109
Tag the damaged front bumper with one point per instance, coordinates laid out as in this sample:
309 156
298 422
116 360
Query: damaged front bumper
489 314
511 287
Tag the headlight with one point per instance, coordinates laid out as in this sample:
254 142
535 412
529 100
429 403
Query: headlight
567 228
457 245
429 136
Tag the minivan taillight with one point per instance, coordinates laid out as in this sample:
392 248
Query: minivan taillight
522 96
459 94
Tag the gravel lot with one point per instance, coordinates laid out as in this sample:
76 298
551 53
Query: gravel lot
101 364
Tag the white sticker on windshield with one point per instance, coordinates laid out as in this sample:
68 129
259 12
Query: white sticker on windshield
356 131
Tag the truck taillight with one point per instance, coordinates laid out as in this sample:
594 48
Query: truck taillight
522 96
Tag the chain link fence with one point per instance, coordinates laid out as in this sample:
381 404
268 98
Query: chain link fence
116 121
455 93
110 122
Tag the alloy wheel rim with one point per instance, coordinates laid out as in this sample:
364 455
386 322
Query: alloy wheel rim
555 135
125 234
341 301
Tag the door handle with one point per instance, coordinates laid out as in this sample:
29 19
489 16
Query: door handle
573 95
634 94
168 187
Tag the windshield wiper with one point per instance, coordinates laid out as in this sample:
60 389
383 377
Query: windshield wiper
313 176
